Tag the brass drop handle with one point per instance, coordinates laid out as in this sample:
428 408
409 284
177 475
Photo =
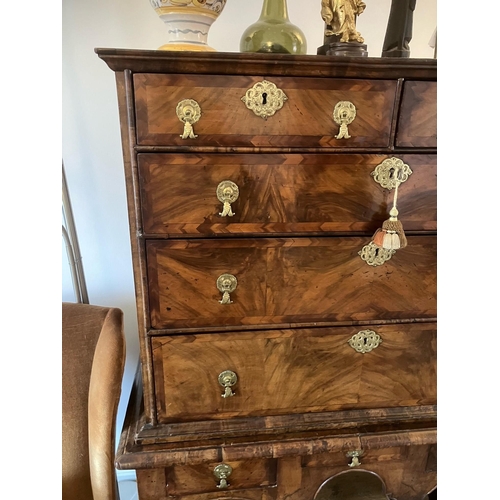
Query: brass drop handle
227 193
365 341
222 472
227 379
226 284
354 456
189 112
343 115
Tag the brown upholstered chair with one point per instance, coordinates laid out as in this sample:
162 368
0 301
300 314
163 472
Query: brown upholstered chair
93 360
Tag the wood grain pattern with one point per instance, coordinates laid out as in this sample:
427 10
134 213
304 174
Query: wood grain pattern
290 371
301 280
280 193
189 479
418 117
306 119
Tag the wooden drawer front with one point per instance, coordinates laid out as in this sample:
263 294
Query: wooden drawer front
305 120
418 118
287 280
280 193
186 479
293 371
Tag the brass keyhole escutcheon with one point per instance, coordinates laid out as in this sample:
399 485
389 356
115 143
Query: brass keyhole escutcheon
264 99
227 193
222 472
227 379
391 172
343 115
226 284
374 255
189 112
365 341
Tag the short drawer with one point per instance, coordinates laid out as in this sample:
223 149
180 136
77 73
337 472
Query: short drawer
261 281
417 126
294 371
280 193
208 477
304 120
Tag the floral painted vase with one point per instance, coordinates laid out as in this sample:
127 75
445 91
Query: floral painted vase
188 22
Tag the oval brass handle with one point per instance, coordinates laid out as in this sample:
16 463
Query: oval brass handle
189 112
354 456
226 283
227 193
365 341
343 115
222 472
227 379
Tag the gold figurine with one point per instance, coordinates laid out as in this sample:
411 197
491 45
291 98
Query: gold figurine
340 18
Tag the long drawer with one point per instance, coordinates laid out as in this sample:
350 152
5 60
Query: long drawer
223 119
289 280
294 371
280 193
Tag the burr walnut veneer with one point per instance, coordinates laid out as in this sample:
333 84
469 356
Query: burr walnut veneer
282 356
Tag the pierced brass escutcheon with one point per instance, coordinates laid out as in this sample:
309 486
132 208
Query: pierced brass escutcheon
391 172
354 456
227 193
188 112
222 472
264 99
226 283
365 341
343 115
227 379
374 255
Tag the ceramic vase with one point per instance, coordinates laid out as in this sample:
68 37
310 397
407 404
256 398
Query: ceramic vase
188 22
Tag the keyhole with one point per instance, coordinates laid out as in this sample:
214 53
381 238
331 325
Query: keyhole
264 98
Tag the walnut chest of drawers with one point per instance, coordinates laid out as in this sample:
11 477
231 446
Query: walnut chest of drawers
282 355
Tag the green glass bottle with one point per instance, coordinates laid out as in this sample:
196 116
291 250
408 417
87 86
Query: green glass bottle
273 32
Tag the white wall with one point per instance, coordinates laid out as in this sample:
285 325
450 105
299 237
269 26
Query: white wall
91 146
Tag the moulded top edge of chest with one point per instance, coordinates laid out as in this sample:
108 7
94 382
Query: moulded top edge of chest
235 63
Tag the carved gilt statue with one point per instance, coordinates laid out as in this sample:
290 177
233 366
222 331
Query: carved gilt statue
340 18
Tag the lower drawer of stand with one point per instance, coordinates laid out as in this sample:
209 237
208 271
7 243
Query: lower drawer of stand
208 477
277 372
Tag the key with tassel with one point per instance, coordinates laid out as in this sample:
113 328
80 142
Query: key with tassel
391 236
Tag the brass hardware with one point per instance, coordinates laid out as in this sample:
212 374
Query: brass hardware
227 379
365 341
343 115
374 255
391 172
227 193
189 112
340 19
264 99
222 472
226 283
354 455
